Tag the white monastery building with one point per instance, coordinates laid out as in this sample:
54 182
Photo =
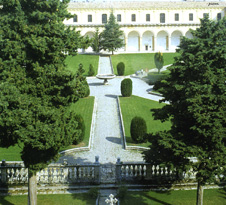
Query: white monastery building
148 26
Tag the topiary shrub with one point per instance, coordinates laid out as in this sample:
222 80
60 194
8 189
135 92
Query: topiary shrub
159 61
91 71
81 127
121 68
138 130
126 87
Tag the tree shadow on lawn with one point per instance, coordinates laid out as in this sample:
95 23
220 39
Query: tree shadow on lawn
222 192
143 198
3 199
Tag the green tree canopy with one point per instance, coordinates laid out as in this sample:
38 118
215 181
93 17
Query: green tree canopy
196 92
111 36
35 89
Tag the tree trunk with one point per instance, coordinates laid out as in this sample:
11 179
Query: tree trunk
200 191
32 188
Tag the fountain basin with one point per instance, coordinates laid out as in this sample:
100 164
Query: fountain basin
105 77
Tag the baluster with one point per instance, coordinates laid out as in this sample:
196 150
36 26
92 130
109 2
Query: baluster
142 170
145 170
134 170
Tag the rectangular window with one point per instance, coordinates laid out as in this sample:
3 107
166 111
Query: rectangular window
219 16
119 18
176 17
104 18
90 19
75 18
148 18
191 17
133 17
162 18
205 15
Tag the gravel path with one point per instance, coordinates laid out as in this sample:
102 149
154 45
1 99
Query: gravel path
108 144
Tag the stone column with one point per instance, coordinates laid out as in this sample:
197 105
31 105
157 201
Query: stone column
97 169
154 43
169 43
118 169
140 43
126 43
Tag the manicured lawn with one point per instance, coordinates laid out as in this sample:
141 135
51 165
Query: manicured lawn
52 199
180 197
73 62
138 61
137 106
83 106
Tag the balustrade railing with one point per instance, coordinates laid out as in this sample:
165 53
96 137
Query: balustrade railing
16 173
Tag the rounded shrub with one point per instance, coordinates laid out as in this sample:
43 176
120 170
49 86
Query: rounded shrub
138 130
126 87
121 68
81 127
91 71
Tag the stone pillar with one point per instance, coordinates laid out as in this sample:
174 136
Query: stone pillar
126 43
154 43
118 169
169 43
3 172
97 170
140 43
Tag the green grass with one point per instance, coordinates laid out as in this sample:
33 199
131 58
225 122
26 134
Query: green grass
138 61
137 106
72 62
180 197
52 199
84 107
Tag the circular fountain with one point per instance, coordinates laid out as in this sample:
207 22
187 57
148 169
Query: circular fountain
105 77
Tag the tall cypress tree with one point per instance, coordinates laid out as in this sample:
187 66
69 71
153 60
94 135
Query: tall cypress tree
196 94
35 89
111 36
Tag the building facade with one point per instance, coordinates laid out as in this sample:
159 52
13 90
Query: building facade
148 26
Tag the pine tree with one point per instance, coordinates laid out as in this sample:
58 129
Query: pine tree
196 94
35 89
96 41
111 40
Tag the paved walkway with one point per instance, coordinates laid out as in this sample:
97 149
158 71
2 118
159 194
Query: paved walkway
108 144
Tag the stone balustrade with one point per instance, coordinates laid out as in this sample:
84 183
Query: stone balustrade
12 173
53 174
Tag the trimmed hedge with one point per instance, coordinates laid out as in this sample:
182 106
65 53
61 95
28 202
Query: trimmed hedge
126 87
121 68
138 130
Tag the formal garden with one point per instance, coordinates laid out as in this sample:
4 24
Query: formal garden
47 109
131 107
